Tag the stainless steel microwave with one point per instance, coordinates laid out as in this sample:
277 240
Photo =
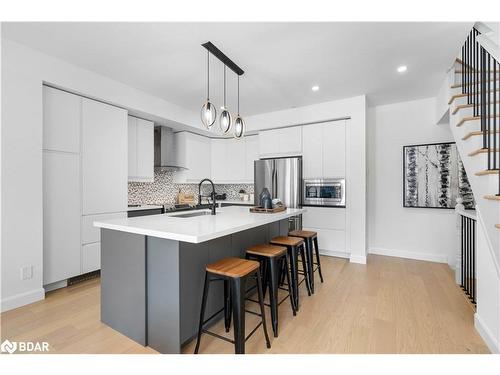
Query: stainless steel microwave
324 192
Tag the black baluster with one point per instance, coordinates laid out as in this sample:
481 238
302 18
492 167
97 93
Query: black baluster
463 250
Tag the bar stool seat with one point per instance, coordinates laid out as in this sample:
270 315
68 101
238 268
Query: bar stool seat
311 241
266 250
233 267
287 241
303 233
234 272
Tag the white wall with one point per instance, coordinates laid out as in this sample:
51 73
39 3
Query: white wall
23 72
419 233
355 109
487 317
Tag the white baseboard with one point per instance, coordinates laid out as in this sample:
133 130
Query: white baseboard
22 299
486 335
439 258
334 253
360 259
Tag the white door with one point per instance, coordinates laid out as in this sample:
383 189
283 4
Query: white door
218 160
290 141
61 216
334 149
312 150
251 154
235 160
132 147
104 158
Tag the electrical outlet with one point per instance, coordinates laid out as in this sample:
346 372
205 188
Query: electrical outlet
26 272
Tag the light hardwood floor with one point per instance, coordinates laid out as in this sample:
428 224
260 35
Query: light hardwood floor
391 305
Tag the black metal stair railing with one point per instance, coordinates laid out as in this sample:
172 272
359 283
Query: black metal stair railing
480 75
468 255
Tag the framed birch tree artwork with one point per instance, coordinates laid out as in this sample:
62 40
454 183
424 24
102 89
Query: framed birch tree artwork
434 177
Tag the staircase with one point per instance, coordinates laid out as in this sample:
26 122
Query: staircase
474 112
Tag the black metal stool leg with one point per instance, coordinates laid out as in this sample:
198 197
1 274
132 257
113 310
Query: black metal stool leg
202 312
227 305
305 267
238 300
310 262
273 293
318 258
295 275
290 291
262 311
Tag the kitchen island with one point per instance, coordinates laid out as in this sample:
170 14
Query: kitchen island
153 268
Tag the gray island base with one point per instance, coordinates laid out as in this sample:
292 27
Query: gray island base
151 288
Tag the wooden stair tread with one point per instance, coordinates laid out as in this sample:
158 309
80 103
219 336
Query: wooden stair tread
473 118
464 106
266 250
233 267
481 151
287 241
457 85
492 197
456 96
475 133
487 172
302 233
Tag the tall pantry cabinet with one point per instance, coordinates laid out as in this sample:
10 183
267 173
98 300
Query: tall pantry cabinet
85 172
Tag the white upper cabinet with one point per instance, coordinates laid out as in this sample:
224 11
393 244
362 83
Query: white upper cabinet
140 150
312 153
104 158
334 149
192 151
61 120
232 159
280 142
324 149
251 154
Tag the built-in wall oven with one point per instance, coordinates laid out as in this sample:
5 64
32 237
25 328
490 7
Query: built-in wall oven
324 192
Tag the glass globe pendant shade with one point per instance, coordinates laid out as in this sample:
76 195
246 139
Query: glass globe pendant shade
208 114
225 121
239 127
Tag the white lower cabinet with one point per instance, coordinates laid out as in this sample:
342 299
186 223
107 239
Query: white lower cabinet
91 257
92 234
329 223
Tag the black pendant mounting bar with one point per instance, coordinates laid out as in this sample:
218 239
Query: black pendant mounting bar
223 58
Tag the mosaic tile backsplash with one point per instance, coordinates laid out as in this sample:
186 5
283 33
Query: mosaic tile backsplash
164 191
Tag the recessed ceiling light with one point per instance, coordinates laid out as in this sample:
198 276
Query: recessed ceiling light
402 68
315 88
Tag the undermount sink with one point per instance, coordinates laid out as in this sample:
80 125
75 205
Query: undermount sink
193 214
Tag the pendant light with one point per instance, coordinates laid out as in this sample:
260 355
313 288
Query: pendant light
239 123
225 116
208 110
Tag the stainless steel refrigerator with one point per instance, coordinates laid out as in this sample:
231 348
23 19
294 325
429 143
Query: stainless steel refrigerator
283 178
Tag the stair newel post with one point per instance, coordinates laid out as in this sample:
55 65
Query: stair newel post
459 207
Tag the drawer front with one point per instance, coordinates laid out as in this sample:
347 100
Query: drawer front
324 218
91 257
331 240
90 233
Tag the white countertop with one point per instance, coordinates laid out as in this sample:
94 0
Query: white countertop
143 207
197 229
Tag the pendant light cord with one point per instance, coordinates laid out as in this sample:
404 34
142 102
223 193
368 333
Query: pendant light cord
208 75
238 95
224 86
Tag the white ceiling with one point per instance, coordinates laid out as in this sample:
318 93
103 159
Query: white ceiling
282 61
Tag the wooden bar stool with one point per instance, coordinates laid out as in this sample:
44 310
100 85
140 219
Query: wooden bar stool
294 245
273 257
311 240
234 272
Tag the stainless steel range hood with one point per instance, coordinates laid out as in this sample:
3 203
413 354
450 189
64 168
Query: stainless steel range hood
164 149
